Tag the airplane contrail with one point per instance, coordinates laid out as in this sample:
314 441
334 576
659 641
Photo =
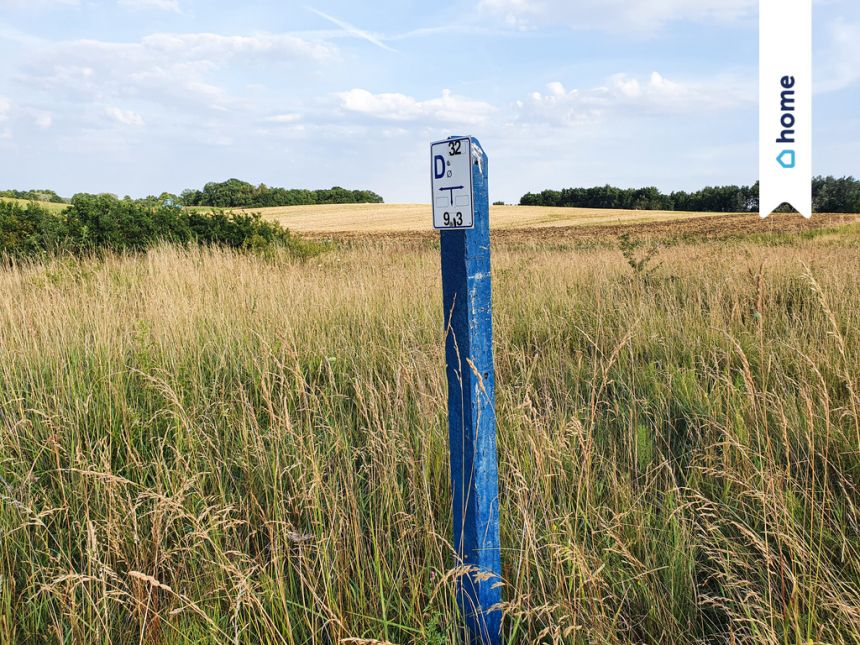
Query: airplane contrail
352 29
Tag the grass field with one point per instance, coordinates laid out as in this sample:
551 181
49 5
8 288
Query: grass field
200 446
51 206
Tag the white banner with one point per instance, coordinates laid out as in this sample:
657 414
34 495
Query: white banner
785 105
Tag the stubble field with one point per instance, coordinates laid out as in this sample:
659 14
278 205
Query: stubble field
398 218
205 446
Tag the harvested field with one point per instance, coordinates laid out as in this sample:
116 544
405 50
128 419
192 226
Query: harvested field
388 218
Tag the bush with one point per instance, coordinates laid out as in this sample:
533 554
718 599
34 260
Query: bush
30 229
104 222
95 223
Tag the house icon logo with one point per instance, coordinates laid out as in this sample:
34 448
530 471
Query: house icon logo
787 159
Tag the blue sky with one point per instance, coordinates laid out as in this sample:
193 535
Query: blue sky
140 96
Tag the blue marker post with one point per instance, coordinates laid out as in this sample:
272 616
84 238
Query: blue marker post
461 210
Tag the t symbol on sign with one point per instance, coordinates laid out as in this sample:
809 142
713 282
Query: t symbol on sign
451 192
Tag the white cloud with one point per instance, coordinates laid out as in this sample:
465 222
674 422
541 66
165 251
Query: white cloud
836 68
34 4
125 117
284 118
516 13
400 107
163 5
214 47
44 120
621 15
168 68
624 93
556 88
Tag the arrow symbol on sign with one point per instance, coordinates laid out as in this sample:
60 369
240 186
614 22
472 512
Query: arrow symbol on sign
451 191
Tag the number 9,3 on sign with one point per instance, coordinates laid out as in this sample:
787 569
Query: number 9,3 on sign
453 195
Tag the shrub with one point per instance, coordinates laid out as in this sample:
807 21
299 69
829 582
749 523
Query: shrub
27 230
104 222
639 256
95 223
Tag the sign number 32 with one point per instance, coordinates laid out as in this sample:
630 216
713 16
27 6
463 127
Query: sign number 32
453 202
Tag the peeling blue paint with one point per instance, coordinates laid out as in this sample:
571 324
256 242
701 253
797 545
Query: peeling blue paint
467 298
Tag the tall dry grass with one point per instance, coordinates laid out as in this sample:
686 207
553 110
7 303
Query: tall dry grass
199 446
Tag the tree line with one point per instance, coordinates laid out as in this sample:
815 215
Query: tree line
232 193
39 195
829 195
235 193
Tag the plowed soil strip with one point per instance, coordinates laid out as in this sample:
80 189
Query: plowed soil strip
710 228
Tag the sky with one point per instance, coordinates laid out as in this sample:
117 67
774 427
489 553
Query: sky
138 97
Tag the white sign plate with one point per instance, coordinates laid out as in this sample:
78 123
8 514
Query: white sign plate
453 197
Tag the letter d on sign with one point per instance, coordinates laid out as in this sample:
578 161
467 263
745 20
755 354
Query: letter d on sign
439 166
